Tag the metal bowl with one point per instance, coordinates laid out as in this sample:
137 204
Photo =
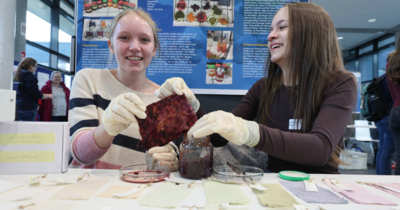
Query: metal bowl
225 174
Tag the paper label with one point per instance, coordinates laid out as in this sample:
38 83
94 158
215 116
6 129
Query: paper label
293 124
27 138
310 186
26 156
257 186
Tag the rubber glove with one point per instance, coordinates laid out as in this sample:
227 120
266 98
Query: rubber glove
164 155
233 129
121 112
177 85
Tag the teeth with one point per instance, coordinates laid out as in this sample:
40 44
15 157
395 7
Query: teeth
275 46
135 58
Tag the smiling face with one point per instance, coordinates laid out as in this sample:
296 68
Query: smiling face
56 78
133 44
278 37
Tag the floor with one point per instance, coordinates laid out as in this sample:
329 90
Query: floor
370 171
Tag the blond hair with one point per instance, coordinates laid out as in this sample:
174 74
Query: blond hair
142 14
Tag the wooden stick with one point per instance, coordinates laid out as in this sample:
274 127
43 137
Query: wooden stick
81 177
22 207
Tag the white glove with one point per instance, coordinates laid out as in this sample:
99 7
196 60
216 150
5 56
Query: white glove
164 156
121 112
233 129
177 85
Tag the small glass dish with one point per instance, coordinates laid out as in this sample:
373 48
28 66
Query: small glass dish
212 20
225 174
179 16
139 173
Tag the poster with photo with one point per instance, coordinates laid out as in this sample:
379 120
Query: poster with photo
230 35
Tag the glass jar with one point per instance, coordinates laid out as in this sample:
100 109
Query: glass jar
196 158
103 24
92 24
94 6
88 8
100 34
115 3
105 3
229 70
110 2
211 70
99 4
219 73
125 6
201 17
181 5
120 4
132 5
89 35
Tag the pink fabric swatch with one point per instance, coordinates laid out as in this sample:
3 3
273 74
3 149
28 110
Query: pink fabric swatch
392 185
359 194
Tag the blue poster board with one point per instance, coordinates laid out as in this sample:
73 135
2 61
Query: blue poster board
217 47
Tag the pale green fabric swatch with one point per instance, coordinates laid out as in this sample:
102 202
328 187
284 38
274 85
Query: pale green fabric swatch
169 195
275 196
217 193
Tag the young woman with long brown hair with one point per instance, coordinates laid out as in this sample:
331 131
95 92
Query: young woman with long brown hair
302 106
393 74
28 94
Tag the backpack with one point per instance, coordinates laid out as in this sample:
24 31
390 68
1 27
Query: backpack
372 106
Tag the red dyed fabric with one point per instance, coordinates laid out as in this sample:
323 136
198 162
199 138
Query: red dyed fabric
166 120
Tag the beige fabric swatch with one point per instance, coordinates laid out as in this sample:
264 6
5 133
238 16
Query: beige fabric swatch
115 189
217 193
23 193
50 205
275 196
169 195
80 190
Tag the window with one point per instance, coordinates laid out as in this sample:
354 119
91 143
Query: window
366 68
37 30
65 33
382 56
386 41
366 49
64 6
42 57
63 65
350 66
67 81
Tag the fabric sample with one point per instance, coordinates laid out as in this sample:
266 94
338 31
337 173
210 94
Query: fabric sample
217 193
169 195
50 205
392 185
23 193
110 192
359 194
80 190
275 196
322 196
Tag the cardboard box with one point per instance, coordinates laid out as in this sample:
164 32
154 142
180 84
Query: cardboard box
354 160
34 147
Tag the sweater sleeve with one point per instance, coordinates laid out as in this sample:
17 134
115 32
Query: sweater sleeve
32 87
85 149
314 148
83 116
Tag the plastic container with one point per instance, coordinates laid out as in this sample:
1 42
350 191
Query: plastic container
353 160
225 174
138 173
196 158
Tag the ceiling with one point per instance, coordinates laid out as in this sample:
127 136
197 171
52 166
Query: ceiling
350 18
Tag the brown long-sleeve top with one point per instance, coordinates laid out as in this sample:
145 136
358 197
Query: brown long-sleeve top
288 150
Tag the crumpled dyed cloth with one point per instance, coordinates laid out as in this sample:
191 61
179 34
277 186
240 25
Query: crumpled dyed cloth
359 194
392 185
322 196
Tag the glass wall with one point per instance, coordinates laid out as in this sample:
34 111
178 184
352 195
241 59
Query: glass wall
50 26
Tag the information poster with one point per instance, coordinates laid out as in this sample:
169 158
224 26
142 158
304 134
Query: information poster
217 46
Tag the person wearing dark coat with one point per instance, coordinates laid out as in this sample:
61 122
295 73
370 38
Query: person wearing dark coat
28 94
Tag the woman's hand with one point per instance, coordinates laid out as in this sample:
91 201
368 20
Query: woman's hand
46 96
121 112
233 129
165 156
177 85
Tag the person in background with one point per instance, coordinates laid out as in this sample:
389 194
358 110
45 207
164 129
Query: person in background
302 106
386 147
28 94
105 103
55 109
393 73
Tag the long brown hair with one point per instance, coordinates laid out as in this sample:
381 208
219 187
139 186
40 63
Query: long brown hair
314 60
24 65
393 71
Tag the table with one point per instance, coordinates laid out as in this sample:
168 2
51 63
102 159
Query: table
97 202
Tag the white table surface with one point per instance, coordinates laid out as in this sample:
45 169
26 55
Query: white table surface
98 203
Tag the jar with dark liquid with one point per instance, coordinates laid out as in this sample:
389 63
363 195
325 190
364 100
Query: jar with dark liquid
196 158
